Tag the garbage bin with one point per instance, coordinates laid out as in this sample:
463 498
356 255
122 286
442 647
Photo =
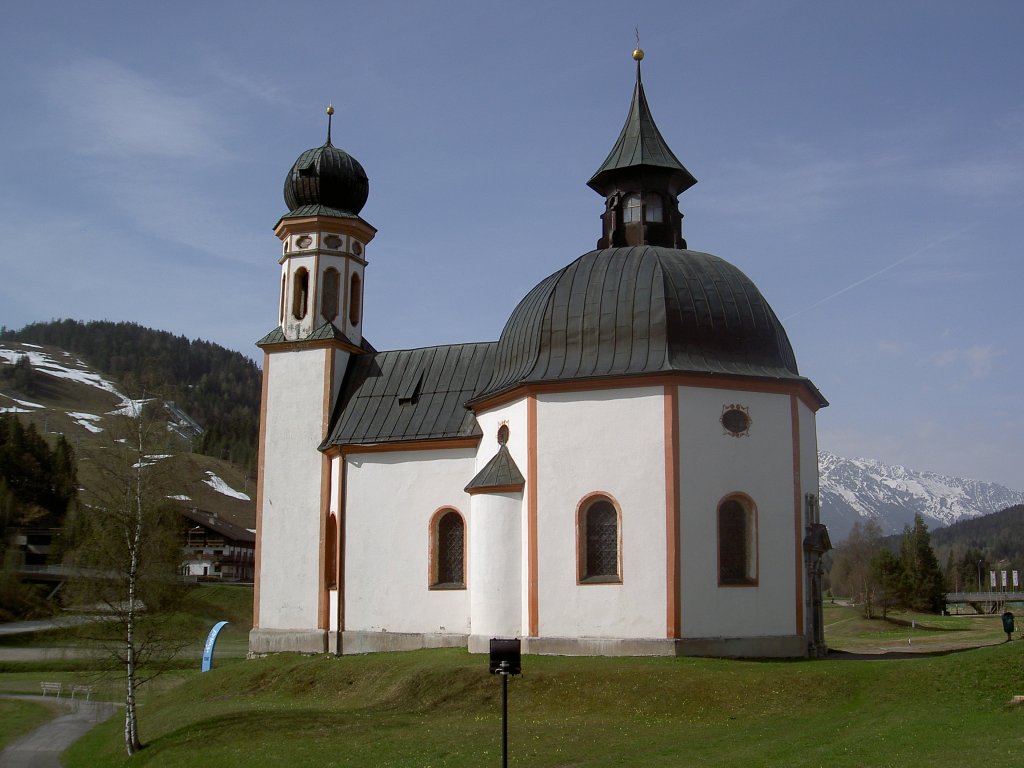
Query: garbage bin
1008 625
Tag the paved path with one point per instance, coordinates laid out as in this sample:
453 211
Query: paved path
41 625
42 747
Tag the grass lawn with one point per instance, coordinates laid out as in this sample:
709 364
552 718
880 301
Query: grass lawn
20 717
441 708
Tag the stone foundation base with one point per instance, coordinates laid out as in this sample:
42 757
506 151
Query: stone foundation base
287 641
378 642
353 642
788 647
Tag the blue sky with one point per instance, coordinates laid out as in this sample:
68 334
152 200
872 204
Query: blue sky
862 162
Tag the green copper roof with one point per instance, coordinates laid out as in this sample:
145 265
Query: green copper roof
411 394
641 310
326 176
500 473
640 147
326 332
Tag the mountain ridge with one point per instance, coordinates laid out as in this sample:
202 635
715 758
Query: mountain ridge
857 489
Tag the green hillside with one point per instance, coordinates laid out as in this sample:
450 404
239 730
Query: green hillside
218 388
442 708
68 399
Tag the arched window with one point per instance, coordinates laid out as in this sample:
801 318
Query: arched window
598 542
447 550
330 293
631 209
652 208
355 298
300 292
282 310
737 542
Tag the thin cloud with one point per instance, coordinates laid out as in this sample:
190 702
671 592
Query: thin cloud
115 111
976 360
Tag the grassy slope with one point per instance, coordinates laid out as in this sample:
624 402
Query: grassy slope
59 396
440 708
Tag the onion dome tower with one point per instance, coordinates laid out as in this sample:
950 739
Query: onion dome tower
323 256
323 246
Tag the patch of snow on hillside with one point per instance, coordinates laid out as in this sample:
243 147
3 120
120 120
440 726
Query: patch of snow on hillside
151 459
180 497
14 409
44 363
25 403
130 408
221 487
86 420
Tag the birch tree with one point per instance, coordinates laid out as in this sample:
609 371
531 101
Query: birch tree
125 540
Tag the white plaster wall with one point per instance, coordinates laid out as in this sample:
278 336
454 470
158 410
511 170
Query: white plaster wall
513 414
714 464
609 441
495 565
290 521
390 499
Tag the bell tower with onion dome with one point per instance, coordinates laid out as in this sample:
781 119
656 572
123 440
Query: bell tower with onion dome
319 329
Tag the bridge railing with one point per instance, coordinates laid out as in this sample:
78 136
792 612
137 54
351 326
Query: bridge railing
985 597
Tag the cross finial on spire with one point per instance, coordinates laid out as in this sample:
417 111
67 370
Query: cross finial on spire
330 114
638 53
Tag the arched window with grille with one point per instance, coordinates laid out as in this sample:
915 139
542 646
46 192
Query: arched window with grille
447 550
300 293
330 293
598 541
355 299
737 542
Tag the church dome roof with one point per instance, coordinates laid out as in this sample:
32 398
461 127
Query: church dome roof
641 310
328 181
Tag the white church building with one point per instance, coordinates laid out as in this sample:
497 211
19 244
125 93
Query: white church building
630 469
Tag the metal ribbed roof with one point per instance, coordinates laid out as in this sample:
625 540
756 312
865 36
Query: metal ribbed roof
646 309
325 332
412 394
329 177
640 147
500 472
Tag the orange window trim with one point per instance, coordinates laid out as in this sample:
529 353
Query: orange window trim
581 539
432 553
747 502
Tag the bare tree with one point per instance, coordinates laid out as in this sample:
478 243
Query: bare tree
852 573
126 542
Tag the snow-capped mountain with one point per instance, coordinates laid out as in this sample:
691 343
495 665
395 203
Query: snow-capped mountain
856 489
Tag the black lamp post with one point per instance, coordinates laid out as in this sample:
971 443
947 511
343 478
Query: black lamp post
505 661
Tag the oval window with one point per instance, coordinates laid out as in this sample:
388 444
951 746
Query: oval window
736 420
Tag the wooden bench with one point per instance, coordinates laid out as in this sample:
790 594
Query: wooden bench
80 689
54 688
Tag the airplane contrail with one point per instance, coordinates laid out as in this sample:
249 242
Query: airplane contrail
882 271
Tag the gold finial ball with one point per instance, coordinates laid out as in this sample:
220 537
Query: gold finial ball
638 54
330 109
